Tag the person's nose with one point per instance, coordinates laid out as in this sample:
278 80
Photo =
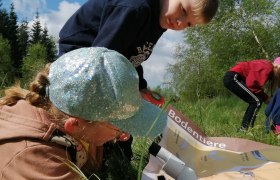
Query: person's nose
180 23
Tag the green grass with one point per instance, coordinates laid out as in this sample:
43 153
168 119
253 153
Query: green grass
223 116
216 117
117 166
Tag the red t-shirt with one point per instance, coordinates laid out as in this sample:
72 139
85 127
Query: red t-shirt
255 73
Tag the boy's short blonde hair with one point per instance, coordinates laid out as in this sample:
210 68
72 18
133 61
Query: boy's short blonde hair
205 10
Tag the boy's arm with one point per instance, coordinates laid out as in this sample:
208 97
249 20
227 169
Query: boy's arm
142 81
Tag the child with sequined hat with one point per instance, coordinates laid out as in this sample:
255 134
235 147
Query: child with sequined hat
58 126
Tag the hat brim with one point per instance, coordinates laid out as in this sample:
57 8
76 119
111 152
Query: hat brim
141 122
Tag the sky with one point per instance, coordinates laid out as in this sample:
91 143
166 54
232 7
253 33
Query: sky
54 13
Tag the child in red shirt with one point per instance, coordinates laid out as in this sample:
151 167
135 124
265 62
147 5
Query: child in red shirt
247 80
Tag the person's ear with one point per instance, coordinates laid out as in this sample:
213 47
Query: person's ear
71 125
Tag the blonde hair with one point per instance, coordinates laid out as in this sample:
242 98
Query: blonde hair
205 10
35 95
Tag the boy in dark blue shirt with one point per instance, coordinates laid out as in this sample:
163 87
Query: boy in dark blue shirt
131 27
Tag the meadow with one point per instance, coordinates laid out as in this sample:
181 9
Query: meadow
217 117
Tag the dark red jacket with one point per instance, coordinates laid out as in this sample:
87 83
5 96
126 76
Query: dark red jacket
255 73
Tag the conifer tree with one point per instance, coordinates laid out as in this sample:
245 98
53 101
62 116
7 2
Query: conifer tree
49 43
4 21
6 77
36 30
23 38
12 36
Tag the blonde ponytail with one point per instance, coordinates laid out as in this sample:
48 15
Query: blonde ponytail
36 95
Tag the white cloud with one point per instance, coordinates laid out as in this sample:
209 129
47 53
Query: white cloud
54 20
27 8
163 54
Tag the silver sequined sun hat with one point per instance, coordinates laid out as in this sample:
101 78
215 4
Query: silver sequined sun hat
98 84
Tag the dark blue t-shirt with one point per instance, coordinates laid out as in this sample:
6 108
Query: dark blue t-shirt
130 27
